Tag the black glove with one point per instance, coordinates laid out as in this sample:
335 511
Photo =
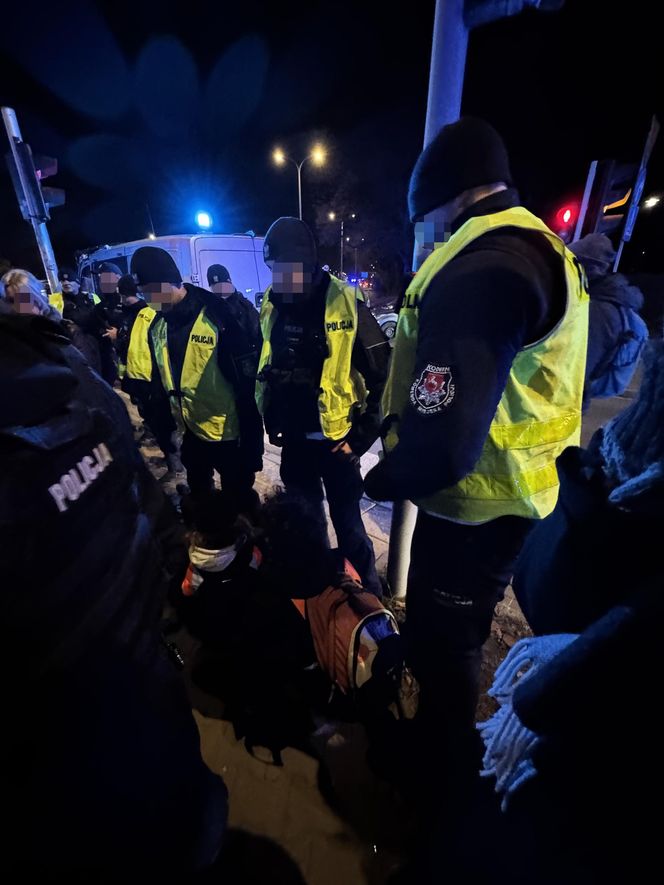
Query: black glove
377 484
364 433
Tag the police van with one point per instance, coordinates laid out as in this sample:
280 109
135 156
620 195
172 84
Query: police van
241 254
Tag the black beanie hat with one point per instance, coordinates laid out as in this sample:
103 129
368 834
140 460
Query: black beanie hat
217 273
108 267
67 273
464 155
149 264
290 240
127 285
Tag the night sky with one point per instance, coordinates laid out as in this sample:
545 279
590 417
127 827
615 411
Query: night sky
181 109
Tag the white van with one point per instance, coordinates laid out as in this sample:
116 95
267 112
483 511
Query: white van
241 254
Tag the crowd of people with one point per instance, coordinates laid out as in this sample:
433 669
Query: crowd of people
479 405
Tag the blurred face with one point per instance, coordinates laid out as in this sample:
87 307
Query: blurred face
108 282
290 278
70 287
20 299
128 300
162 296
224 289
431 234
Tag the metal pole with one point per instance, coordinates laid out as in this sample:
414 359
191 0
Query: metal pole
341 262
586 199
448 63
39 227
299 186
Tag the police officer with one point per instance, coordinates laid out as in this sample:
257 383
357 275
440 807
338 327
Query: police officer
207 366
78 310
132 343
322 370
484 393
219 282
102 766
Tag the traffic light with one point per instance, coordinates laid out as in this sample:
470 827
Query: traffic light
565 221
27 172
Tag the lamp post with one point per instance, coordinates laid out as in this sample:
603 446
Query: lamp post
317 156
333 216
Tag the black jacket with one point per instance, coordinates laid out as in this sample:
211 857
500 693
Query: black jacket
588 555
102 766
299 349
505 290
238 351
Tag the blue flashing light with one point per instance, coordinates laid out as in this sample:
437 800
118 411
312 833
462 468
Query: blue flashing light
204 220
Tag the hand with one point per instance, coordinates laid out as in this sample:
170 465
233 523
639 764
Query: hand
111 333
343 447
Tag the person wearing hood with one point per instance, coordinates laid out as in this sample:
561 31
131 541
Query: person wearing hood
484 393
206 364
322 371
102 765
616 332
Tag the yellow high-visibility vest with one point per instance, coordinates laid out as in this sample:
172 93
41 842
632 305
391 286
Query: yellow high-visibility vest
539 414
342 389
139 359
202 400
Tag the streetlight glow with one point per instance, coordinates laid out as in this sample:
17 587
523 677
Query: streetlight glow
651 202
318 155
331 216
278 156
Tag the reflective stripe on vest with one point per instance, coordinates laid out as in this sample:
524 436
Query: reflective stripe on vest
342 387
204 401
139 359
539 414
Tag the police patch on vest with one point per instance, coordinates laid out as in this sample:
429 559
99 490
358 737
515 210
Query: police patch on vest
433 391
202 339
339 325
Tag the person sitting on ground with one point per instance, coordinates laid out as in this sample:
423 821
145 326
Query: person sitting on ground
255 646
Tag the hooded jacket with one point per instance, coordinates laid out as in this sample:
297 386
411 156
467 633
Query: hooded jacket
102 764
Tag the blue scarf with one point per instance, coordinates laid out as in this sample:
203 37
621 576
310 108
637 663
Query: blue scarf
509 744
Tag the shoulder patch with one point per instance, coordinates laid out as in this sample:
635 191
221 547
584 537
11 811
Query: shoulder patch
434 390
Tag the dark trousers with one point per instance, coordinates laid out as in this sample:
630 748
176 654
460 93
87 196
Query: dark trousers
201 459
457 575
308 464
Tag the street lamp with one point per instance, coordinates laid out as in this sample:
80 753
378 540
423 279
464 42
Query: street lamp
317 157
332 216
651 202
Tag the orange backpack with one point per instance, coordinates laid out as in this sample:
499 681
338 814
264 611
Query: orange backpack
349 626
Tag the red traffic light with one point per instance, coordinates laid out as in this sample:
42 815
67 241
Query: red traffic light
567 215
